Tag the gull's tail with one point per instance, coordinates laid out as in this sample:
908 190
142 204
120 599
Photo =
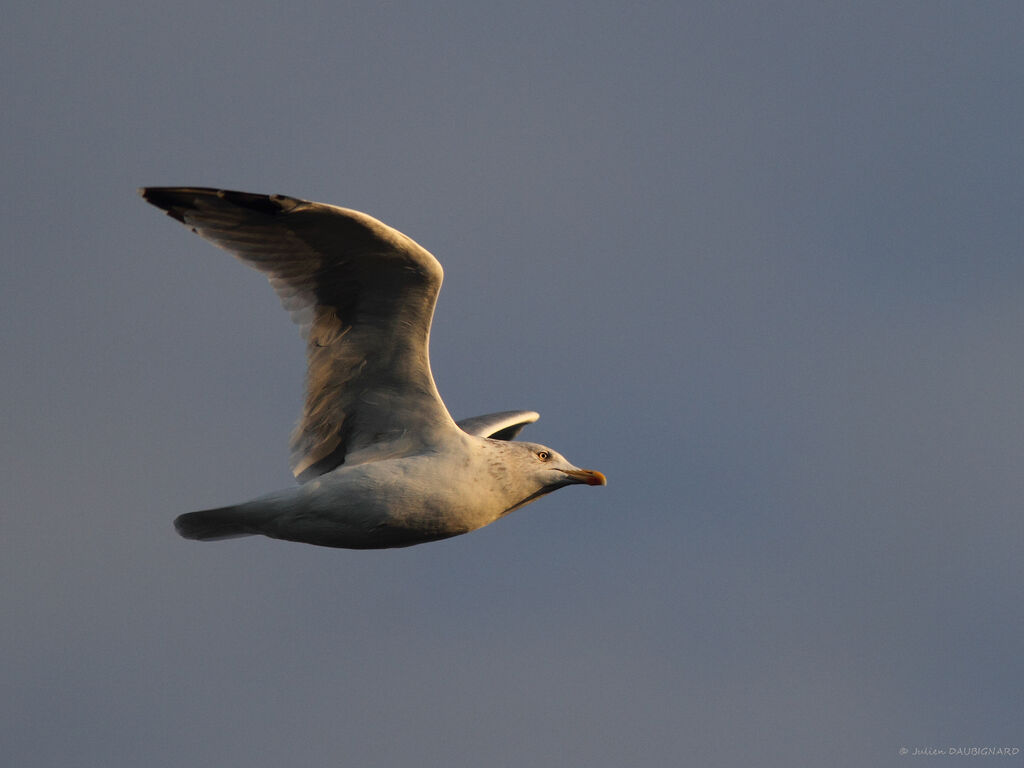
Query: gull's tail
214 524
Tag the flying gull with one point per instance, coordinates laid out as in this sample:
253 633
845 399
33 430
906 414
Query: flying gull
379 460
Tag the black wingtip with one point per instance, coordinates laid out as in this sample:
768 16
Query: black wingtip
172 200
177 200
265 204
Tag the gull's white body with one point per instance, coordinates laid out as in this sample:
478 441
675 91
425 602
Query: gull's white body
394 502
381 461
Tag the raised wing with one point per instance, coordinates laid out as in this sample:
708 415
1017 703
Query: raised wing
499 426
364 295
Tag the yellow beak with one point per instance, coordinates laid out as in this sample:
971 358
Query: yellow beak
588 476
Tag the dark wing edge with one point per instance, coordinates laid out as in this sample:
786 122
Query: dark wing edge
504 425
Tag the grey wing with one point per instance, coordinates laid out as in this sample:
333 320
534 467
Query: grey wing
504 425
364 295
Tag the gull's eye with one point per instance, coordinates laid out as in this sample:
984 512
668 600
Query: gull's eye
543 455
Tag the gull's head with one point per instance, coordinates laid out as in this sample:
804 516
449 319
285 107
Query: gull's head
550 469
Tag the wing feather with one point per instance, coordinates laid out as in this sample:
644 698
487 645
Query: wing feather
363 294
504 425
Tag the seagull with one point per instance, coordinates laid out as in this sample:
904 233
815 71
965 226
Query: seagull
379 460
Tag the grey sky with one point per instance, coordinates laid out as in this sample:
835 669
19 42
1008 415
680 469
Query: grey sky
759 263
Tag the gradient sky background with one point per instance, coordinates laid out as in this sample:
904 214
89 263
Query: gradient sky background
760 263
